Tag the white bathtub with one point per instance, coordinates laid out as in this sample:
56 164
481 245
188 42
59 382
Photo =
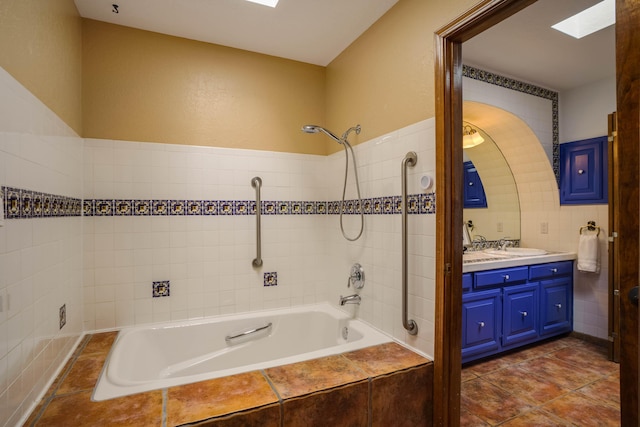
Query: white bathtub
158 356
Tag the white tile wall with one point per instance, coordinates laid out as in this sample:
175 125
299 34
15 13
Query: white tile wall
208 259
379 250
40 259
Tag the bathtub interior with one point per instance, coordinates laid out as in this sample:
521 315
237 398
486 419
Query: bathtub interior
144 359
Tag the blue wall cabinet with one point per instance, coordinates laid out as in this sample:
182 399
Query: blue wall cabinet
509 307
474 196
583 172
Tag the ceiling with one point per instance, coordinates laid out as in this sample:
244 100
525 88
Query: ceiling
527 48
312 31
316 31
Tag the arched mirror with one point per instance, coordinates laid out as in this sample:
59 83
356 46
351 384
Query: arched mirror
499 216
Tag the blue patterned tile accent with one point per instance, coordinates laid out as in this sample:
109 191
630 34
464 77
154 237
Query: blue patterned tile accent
142 207
159 207
161 289
529 89
21 203
26 204
271 279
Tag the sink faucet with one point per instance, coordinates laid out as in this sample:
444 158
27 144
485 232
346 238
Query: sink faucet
504 243
351 299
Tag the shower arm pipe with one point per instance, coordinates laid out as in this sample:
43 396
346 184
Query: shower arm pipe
409 324
256 182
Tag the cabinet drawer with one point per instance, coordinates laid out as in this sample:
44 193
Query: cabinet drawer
504 276
467 282
549 270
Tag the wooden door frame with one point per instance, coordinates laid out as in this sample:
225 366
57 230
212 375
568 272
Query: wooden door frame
449 190
448 86
627 200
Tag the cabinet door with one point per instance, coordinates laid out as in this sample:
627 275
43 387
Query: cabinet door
520 314
583 174
481 315
556 306
474 196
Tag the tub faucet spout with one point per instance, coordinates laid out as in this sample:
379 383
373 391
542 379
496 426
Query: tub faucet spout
351 299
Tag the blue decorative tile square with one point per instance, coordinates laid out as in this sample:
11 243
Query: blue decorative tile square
25 202
367 206
161 289
377 206
210 207
241 207
427 203
252 208
142 207
159 207
178 207
225 208
123 207
397 204
309 208
47 205
414 204
296 208
102 207
349 207
194 207
321 208
387 205
283 208
13 202
269 208
271 279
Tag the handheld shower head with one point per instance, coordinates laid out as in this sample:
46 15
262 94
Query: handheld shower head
318 129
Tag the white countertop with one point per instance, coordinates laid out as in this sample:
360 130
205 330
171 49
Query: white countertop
480 261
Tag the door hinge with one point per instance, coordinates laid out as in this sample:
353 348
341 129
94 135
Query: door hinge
614 235
447 268
612 337
616 292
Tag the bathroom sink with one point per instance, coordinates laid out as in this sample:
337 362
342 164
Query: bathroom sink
517 251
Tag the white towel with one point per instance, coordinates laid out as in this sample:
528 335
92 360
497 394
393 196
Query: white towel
588 257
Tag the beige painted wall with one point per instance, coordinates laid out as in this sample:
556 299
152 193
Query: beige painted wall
145 86
385 79
40 46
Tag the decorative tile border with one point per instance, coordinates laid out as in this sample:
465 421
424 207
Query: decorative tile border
270 279
418 204
25 204
529 89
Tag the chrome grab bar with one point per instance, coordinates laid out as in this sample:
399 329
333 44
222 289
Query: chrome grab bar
247 332
409 324
256 182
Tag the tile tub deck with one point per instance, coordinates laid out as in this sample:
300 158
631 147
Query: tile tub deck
366 387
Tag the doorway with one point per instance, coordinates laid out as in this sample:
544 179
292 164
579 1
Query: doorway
449 184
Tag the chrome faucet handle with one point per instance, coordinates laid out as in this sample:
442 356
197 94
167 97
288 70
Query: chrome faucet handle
356 276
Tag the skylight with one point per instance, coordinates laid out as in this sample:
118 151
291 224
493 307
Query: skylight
270 3
595 18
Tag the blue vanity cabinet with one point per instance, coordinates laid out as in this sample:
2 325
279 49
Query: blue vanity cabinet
481 324
509 307
520 322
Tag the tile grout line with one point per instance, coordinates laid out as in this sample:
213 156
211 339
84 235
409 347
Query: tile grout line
280 400
165 400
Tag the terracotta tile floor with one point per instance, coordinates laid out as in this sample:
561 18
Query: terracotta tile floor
564 382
